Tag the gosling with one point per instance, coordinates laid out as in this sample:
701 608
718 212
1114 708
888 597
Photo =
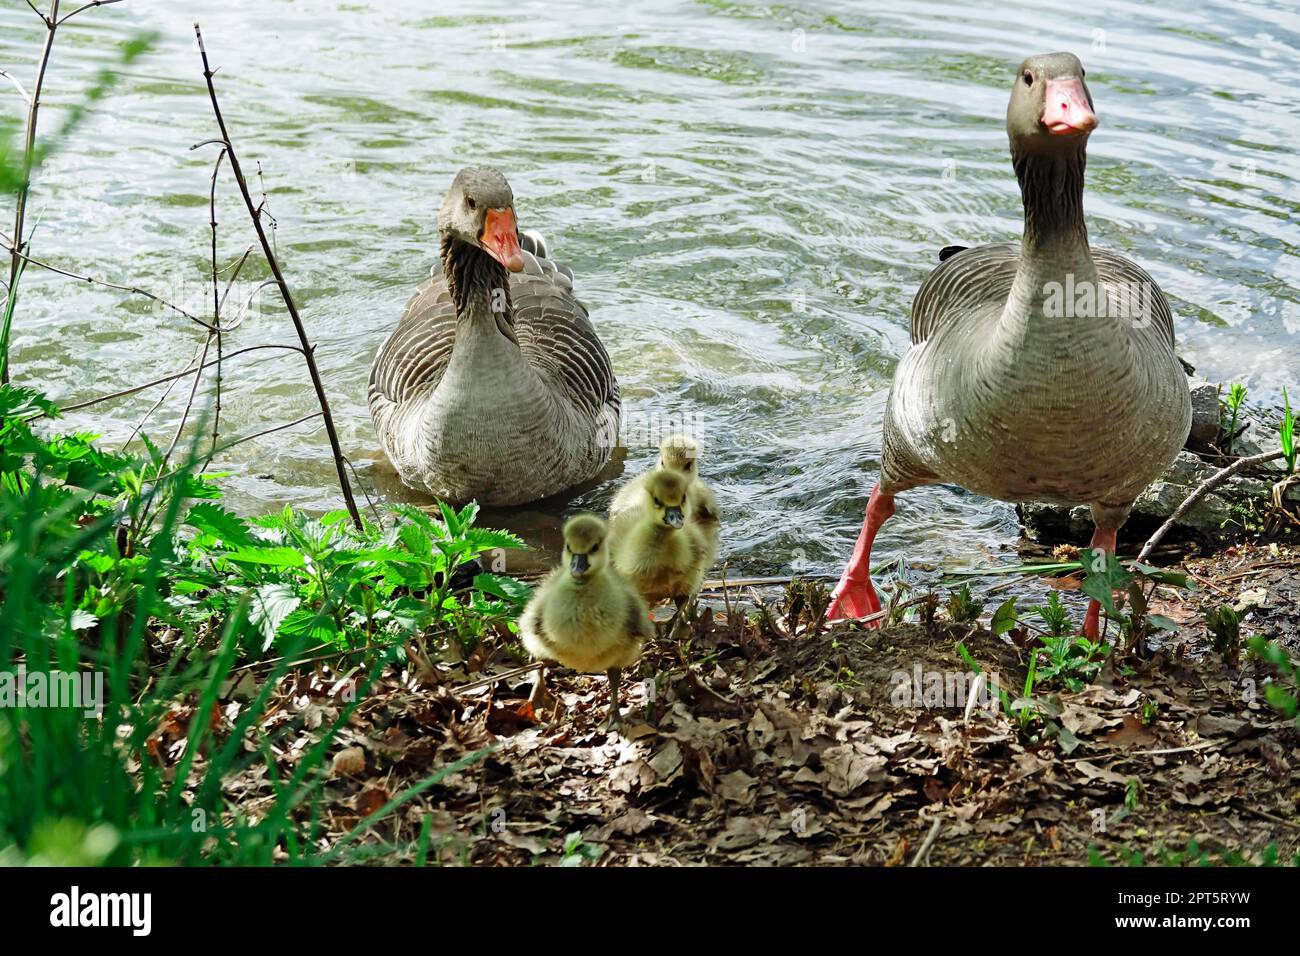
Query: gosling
585 615
661 553
680 453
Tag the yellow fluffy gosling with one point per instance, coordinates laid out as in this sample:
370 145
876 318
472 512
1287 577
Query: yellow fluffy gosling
585 615
680 453
655 547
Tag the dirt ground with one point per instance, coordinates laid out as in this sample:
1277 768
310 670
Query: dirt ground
765 738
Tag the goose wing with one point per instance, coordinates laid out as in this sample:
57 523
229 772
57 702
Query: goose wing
557 337
964 280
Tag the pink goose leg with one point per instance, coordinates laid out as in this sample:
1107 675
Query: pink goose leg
854 596
1103 538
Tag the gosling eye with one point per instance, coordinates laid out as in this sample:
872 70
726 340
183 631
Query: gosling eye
1028 78
469 201
594 549
658 503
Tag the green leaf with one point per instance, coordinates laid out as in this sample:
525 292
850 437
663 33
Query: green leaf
1105 575
1164 575
268 557
319 628
20 401
223 525
271 604
1005 617
503 587
482 539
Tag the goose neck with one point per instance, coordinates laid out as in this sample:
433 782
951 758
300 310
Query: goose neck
479 285
1051 188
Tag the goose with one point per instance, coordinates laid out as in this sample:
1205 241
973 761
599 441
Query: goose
1041 370
656 548
585 615
680 453
494 386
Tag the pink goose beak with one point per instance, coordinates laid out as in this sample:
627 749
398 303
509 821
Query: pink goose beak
500 238
1066 109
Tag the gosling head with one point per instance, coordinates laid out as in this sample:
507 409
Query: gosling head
479 210
680 453
1051 109
584 552
666 491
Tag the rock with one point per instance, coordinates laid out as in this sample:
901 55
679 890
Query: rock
1215 517
1205 416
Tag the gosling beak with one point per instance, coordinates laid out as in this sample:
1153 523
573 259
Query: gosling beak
1066 109
578 565
500 237
673 517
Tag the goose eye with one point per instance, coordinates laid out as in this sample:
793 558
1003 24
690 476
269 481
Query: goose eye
594 549
469 201
1028 78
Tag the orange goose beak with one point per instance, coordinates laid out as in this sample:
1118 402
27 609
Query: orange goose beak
500 237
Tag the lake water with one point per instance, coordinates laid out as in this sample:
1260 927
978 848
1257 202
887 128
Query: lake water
748 194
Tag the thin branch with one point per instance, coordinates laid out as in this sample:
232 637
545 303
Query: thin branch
93 3
923 852
216 301
18 86
159 381
189 404
370 502
20 210
239 441
134 290
234 275
36 11
144 419
307 352
1203 489
268 431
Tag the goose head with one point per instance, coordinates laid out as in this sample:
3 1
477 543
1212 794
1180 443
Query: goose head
680 453
1050 112
666 494
479 210
584 554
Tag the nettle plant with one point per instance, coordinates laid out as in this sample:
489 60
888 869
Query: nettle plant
343 587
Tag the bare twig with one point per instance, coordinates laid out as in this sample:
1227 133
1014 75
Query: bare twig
923 852
134 290
93 3
20 211
123 393
1203 489
38 12
239 441
18 86
144 419
189 405
268 431
307 353
216 303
